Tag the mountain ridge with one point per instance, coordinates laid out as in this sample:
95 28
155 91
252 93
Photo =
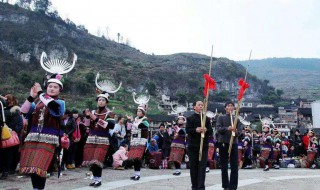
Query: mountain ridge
26 34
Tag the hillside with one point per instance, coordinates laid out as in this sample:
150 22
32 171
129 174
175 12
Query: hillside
25 34
296 77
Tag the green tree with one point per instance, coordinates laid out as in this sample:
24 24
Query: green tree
42 6
279 92
90 77
182 97
151 86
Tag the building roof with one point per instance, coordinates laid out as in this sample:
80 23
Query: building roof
161 118
305 111
262 111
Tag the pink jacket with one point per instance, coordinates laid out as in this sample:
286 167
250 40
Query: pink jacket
119 157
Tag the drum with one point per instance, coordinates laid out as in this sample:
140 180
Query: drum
310 156
265 152
155 160
276 154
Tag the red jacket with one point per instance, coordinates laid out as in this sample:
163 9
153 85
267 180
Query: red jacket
306 142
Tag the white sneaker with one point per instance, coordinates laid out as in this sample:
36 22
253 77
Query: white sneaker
207 169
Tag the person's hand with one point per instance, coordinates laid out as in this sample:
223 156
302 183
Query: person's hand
200 130
129 117
35 89
230 128
3 98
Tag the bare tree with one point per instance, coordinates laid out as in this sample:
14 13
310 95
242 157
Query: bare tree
128 42
42 6
99 33
121 39
106 34
26 4
118 37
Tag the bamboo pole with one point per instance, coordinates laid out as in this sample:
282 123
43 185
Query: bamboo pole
203 114
237 112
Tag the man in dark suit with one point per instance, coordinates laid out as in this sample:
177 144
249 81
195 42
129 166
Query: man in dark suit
225 128
194 130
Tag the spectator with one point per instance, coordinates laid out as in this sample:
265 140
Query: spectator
120 156
9 157
119 131
167 139
297 143
69 125
159 135
153 146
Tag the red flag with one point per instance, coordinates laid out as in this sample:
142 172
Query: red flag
243 87
209 83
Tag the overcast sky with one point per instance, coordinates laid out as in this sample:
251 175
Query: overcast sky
271 28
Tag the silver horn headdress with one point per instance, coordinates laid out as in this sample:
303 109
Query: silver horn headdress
243 121
179 109
142 100
266 121
106 85
56 66
211 115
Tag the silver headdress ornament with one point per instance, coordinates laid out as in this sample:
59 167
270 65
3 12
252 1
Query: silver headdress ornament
106 85
243 121
57 67
211 115
266 121
179 109
142 100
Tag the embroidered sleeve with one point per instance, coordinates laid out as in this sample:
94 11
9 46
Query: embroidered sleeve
143 124
56 107
26 107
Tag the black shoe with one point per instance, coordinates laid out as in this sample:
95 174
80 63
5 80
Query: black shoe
97 184
266 169
177 173
135 178
92 184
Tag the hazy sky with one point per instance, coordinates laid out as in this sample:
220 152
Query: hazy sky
271 28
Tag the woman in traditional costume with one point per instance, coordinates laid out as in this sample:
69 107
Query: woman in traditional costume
139 136
100 121
44 136
178 144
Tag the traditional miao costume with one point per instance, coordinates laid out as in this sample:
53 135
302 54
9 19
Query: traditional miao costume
178 147
43 139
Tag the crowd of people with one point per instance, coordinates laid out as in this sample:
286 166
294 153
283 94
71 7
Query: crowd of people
123 142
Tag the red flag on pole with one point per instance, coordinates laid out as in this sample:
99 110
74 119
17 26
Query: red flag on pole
243 87
209 83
